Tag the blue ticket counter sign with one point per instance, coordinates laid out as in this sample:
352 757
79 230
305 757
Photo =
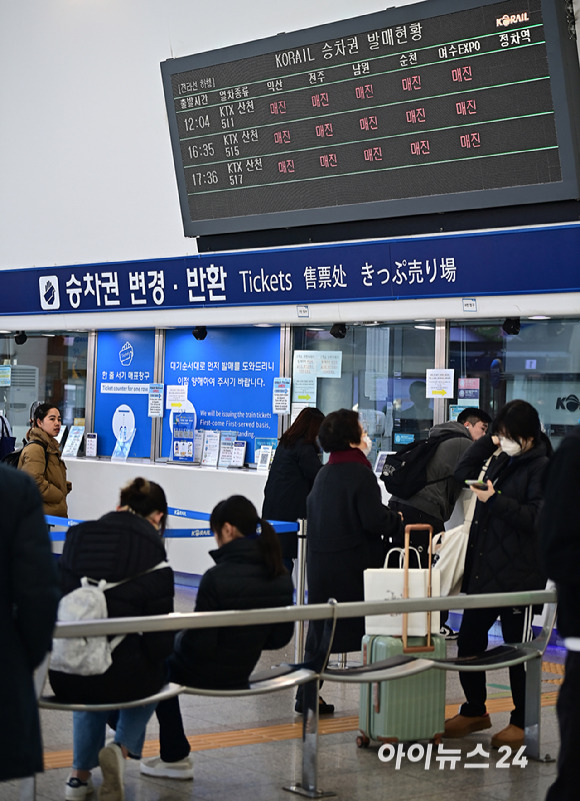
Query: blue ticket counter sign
125 362
229 378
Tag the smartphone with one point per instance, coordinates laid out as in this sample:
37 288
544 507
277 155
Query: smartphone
473 482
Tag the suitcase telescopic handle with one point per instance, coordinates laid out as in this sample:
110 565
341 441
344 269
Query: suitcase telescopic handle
409 649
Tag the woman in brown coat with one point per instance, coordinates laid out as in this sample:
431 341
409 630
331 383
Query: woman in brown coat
40 458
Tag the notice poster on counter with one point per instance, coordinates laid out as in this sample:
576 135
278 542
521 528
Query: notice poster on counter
198 446
211 449
263 456
183 434
238 453
91 445
73 442
226 449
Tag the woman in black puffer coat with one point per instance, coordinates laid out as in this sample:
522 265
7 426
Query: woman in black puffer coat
502 555
295 466
124 544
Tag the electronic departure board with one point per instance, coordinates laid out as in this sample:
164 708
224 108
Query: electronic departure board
438 106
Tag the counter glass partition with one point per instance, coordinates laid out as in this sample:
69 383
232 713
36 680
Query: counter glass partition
379 370
46 366
537 360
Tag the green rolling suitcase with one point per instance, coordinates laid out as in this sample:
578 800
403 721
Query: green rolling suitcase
411 708
406 709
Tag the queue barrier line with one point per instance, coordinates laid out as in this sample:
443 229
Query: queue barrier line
332 611
64 523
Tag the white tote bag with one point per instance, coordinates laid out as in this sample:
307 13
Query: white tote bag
387 584
450 548
449 561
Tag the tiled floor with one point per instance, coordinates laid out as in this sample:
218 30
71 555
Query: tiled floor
227 767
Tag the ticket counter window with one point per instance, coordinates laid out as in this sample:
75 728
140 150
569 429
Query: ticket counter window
48 367
378 370
537 360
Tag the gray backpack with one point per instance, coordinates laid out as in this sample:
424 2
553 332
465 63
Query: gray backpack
87 656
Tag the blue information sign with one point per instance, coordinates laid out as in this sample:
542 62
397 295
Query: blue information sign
125 362
229 378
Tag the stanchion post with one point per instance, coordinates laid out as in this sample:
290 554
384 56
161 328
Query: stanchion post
300 590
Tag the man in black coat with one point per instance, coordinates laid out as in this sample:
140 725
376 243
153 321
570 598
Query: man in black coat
560 544
29 598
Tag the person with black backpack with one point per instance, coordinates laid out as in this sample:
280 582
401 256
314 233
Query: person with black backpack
427 489
41 459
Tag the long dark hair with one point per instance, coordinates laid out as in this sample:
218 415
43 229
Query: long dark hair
238 511
305 427
145 497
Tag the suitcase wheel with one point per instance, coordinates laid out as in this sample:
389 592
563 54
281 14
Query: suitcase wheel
363 741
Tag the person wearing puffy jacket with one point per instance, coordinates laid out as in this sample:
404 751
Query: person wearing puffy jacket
248 574
40 458
125 544
502 556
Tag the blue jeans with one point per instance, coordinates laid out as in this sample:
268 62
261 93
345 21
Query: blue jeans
89 733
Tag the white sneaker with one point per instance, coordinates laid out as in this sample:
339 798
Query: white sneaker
167 770
447 632
112 764
77 790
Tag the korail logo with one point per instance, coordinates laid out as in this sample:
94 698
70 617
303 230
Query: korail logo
511 19
571 403
126 354
48 291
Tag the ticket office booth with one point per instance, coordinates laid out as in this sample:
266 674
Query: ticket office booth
360 334
381 373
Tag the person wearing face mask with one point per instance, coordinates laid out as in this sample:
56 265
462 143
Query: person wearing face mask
434 503
502 556
347 529
40 458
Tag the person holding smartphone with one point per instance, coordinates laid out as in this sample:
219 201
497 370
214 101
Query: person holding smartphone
502 555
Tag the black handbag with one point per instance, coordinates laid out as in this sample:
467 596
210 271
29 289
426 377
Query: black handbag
7 443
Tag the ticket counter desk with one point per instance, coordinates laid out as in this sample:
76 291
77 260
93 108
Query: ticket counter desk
96 484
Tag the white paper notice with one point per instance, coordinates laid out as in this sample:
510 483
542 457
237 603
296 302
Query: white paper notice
440 383
176 396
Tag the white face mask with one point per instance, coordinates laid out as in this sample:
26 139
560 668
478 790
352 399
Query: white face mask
510 447
367 445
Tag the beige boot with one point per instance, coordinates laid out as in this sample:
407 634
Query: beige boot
511 735
461 725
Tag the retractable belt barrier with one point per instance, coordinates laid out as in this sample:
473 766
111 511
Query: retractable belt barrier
64 523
